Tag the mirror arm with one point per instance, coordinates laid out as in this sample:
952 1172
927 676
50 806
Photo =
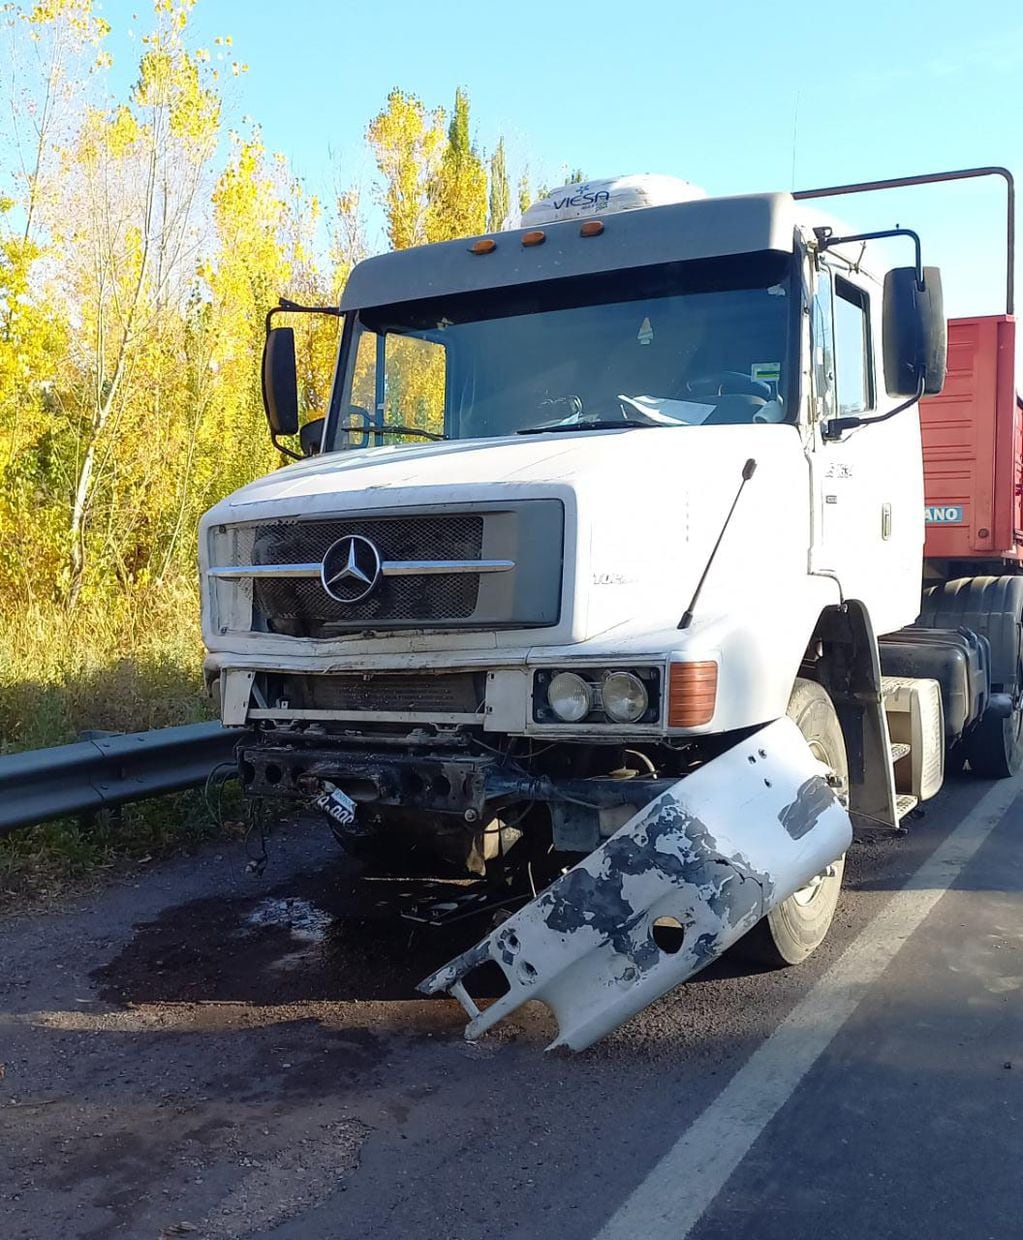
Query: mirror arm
932 178
285 306
836 427
825 241
295 456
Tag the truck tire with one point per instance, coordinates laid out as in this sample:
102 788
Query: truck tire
993 607
994 749
794 928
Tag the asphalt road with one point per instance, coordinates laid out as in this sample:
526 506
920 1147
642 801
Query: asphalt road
199 1051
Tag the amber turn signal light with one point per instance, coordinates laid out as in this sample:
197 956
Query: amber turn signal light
485 245
692 694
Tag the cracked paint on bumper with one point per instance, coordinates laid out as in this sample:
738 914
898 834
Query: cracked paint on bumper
716 852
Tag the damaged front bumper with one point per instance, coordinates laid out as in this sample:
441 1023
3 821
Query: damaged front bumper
715 852
287 765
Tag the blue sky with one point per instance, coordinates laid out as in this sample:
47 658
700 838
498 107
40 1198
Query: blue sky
735 95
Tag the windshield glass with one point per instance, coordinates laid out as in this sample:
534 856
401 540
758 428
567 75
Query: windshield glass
684 344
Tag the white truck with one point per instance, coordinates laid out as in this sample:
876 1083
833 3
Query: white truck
582 582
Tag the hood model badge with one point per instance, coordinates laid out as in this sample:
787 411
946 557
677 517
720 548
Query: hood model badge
350 569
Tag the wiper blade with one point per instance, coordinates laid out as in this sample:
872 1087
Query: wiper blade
389 428
597 424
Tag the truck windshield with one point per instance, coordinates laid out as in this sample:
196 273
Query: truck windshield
683 344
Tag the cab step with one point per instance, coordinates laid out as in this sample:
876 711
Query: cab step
916 744
905 803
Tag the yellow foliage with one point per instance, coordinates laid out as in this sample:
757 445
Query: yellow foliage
119 131
407 142
132 304
125 663
458 190
79 16
171 78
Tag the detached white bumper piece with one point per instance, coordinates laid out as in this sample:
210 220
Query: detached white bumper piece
715 853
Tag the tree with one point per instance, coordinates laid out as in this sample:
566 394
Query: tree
458 190
33 339
129 220
46 72
524 192
500 190
240 280
50 48
348 234
406 141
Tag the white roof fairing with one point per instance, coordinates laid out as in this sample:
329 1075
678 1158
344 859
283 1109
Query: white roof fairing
584 199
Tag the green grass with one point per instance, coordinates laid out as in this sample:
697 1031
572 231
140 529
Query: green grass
44 861
124 665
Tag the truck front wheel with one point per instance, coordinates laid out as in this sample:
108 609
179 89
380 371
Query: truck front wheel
792 929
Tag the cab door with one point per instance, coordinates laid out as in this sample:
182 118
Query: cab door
867 484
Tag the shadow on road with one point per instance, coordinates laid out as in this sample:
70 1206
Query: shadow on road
336 935
329 936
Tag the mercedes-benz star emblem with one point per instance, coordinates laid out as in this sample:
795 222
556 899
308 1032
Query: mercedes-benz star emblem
350 569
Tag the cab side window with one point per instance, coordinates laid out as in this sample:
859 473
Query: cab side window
364 374
823 343
396 378
852 348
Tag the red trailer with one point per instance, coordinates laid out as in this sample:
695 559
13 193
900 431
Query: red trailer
973 488
973 449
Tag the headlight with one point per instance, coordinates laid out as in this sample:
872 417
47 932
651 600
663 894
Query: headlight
624 697
568 695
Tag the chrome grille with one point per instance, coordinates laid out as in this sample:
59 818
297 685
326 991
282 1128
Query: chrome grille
495 565
455 537
302 606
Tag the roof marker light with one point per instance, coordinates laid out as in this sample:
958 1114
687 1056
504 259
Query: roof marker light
485 245
536 237
592 228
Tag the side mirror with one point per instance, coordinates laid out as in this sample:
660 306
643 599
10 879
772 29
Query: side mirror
914 332
280 381
310 437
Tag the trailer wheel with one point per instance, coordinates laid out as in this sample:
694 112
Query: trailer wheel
791 930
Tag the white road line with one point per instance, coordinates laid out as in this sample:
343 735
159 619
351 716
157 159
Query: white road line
676 1193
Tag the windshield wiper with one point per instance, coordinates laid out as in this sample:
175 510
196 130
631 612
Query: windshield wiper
597 424
389 428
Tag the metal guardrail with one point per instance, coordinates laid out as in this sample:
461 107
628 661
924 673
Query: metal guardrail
42 784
